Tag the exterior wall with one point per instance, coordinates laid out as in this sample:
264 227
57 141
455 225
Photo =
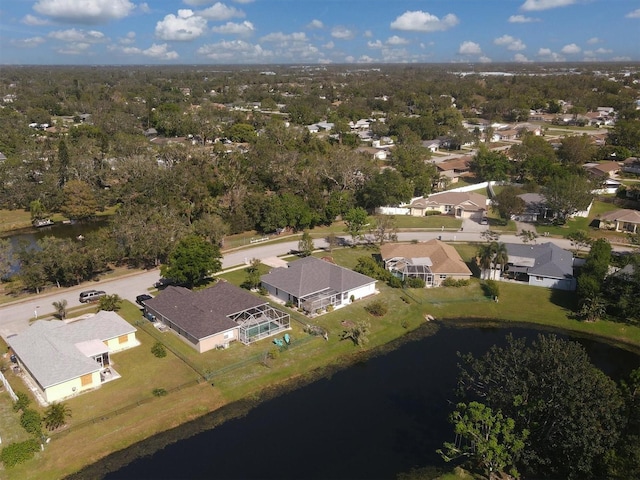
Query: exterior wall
437 281
222 338
284 296
115 345
66 389
362 292
555 283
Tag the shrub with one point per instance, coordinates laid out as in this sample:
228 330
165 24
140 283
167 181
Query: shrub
289 304
158 350
330 308
16 453
22 403
159 392
263 291
358 333
377 308
414 282
491 288
31 421
394 282
452 282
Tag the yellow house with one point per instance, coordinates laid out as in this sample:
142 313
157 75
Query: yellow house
66 358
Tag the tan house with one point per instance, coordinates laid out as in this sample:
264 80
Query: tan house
624 220
216 316
66 358
455 168
432 261
458 204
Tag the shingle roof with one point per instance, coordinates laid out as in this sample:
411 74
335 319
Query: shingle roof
444 258
311 275
50 351
470 201
205 312
622 215
543 260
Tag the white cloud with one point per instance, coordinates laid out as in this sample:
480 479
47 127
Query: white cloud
329 45
315 24
28 42
34 21
520 58
522 19
365 59
86 11
161 52
595 53
236 51
342 33
280 37
537 5
231 28
243 1
510 42
419 21
219 12
469 48
570 49
128 39
484 59
634 14
376 44
547 55
144 7
621 59
74 35
396 40
182 27
593 40
367 34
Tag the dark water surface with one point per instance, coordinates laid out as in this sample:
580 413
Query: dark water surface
372 420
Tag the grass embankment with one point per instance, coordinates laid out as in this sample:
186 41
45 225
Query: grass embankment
125 411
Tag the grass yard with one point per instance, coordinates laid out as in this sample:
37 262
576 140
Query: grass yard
125 411
428 221
14 220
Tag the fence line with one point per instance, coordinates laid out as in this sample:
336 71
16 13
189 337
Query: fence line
7 385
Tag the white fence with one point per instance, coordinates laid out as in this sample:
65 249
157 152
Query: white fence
6 384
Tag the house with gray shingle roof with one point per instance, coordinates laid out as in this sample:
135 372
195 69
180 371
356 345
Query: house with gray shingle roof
66 358
623 220
543 265
216 316
313 284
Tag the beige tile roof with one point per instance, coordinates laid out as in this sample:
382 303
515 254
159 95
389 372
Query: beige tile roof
445 258
622 215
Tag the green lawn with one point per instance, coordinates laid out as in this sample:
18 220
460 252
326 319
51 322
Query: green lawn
125 411
429 221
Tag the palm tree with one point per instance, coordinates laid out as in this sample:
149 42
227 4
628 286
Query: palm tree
485 258
500 257
110 303
56 415
61 309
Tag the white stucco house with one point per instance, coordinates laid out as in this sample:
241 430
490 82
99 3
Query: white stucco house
313 284
66 358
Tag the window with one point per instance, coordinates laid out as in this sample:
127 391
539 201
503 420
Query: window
86 379
228 335
538 279
442 277
123 339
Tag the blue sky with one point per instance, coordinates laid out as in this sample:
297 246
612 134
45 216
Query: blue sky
317 31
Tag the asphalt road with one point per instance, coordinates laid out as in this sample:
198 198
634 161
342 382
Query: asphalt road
15 317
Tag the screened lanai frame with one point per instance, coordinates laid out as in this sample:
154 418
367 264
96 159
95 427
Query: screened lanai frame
261 322
320 300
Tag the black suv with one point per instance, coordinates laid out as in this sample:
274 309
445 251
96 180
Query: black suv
140 299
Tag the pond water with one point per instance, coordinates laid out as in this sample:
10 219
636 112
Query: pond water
59 230
372 420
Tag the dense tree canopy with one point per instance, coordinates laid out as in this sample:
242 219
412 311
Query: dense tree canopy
573 411
192 260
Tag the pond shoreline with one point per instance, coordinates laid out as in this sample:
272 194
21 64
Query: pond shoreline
240 408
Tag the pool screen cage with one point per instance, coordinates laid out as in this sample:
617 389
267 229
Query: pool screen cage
320 301
261 322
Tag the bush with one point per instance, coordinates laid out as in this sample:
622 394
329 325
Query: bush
31 421
158 350
330 308
414 282
289 304
452 282
377 308
491 288
394 282
16 453
159 392
22 403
